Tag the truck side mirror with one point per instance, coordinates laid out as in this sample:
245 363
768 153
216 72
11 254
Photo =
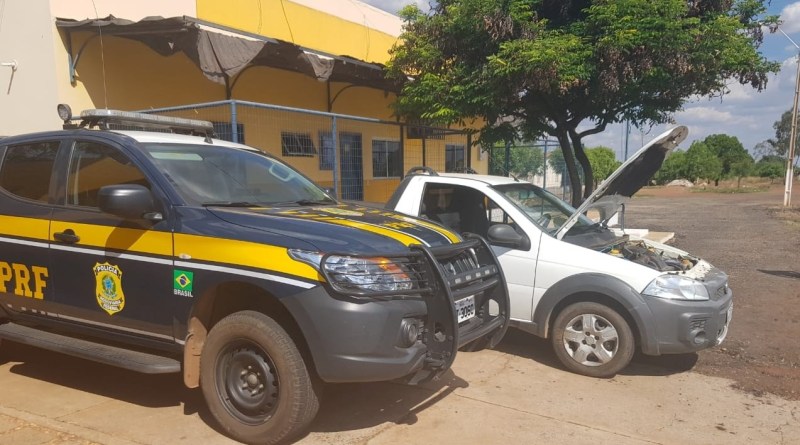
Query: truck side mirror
505 236
129 201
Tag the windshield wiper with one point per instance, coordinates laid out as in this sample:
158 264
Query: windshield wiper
299 202
311 202
231 204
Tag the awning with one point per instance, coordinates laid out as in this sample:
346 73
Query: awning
222 53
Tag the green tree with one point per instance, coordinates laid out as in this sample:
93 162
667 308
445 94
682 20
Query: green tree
741 168
772 167
673 168
524 160
603 162
556 160
730 152
535 67
702 163
783 134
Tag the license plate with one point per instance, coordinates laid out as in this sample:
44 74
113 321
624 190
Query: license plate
465 308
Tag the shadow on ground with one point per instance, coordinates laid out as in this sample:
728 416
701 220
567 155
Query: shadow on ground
540 350
344 407
782 273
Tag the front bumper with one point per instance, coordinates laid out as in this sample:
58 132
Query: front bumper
681 326
360 338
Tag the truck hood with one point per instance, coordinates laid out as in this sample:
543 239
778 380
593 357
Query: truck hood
341 228
630 177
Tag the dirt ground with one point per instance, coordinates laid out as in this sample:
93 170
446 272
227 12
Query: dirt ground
757 242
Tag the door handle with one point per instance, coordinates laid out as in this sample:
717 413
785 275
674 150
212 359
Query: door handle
67 236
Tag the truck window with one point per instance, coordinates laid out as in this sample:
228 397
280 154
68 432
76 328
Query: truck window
460 208
27 169
94 165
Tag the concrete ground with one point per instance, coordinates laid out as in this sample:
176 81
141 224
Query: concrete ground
515 394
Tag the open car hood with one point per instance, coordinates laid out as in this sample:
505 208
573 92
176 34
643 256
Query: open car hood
631 176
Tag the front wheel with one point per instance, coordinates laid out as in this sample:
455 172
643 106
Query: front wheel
254 380
592 339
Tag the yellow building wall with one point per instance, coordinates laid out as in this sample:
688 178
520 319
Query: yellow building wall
300 25
124 74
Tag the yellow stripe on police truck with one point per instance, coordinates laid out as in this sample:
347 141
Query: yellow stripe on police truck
117 238
242 253
36 228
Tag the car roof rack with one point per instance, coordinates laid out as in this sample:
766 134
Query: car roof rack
107 119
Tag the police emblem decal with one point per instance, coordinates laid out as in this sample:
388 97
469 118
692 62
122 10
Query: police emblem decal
108 289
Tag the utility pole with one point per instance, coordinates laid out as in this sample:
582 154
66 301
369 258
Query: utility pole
787 193
787 197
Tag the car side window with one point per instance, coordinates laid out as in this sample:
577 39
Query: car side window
27 168
461 208
92 166
496 213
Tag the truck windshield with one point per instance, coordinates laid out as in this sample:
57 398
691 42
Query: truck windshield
542 207
212 175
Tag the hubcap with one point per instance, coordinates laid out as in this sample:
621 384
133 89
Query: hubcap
247 382
591 340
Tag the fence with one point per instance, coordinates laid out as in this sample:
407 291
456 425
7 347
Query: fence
372 154
540 163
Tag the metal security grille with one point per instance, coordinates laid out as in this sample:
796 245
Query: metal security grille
358 158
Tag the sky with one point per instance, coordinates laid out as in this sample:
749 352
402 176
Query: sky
744 112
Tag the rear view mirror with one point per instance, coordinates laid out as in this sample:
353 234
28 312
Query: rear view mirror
129 201
504 235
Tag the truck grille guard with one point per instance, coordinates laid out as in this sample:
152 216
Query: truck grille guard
440 276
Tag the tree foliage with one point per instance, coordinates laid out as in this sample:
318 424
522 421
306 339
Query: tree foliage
556 161
673 168
783 134
771 167
741 168
603 161
731 153
523 160
701 163
536 67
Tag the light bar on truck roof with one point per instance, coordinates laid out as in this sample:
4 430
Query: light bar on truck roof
127 118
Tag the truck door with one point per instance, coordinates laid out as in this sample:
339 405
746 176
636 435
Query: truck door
26 170
107 271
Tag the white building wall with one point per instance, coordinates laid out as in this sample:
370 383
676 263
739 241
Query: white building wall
28 95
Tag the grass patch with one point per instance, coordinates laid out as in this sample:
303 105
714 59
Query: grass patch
790 216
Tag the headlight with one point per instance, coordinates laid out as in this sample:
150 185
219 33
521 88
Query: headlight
358 274
676 287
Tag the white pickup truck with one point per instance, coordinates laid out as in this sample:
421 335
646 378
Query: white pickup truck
596 294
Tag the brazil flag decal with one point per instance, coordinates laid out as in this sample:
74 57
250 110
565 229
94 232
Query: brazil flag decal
182 283
108 289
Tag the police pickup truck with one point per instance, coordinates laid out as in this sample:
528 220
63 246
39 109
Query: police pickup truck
170 251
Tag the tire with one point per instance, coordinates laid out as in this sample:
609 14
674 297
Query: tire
601 350
246 354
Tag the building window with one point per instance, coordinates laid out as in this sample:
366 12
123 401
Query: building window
297 144
454 158
326 151
222 130
386 159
